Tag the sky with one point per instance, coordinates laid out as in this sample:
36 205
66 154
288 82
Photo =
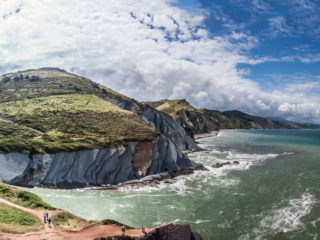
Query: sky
258 56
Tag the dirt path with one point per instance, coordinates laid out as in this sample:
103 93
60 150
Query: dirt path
90 232
31 129
37 213
5 120
163 106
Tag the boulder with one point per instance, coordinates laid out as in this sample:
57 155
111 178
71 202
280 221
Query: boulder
173 232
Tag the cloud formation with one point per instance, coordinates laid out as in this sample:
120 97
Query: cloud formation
146 49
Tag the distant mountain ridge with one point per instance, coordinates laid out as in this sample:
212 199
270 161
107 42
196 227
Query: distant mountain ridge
199 121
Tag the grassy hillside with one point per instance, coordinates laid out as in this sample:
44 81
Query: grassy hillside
48 82
171 107
68 221
49 110
23 198
13 220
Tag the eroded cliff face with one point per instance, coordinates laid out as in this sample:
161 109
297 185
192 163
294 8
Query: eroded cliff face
165 124
102 166
204 121
12 165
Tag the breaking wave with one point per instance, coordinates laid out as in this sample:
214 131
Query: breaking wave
215 176
283 219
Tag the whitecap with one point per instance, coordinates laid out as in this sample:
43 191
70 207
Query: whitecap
283 219
289 218
199 221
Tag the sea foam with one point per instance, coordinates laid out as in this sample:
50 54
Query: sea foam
283 219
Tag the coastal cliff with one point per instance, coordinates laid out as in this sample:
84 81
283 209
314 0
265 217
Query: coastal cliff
200 121
61 130
101 166
160 121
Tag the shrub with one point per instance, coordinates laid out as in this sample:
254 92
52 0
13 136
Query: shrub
35 79
6 80
32 200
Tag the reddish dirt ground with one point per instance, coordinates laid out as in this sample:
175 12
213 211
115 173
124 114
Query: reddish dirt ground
90 232
163 106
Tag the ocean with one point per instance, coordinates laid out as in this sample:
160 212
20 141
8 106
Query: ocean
274 188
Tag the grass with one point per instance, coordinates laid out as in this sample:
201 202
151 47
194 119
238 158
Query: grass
71 103
50 82
13 220
114 222
68 221
174 106
69 122
55 111
199 118
23 198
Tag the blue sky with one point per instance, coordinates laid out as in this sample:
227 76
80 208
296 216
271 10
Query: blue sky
286 30
258 56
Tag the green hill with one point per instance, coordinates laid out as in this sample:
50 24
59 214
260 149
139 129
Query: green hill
50 110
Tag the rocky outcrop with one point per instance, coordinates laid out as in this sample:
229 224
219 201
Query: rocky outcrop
153 180
103 166
12 165
165 124
164 232
219 165
173 232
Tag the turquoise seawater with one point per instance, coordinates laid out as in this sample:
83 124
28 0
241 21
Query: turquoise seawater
276 187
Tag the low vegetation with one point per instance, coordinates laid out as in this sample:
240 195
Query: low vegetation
13 220
49 111
173 106
49 82
23 198
113 222
68 221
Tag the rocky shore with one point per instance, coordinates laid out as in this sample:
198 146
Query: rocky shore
152 180
173 232
165 232
206 135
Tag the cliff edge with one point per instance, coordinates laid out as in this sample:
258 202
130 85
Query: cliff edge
61 130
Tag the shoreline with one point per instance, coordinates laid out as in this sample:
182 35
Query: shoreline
150 180
206 135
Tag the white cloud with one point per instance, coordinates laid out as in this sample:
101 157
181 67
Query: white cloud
260 5
279 26
145 49
307 87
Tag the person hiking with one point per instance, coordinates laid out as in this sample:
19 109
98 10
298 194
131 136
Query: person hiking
123 229
49 222
45 218
143 229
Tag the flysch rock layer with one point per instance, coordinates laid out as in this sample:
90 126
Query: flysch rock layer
94 167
